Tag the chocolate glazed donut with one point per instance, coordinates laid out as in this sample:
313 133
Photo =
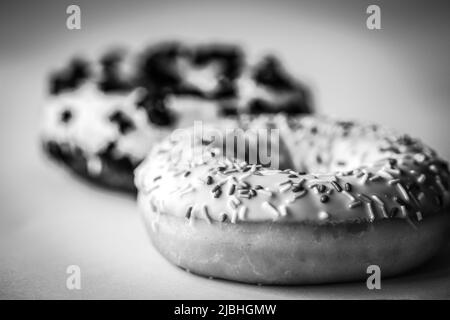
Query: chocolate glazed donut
345 196
102 116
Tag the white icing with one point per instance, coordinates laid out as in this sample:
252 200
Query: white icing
190 109
90 127
205 78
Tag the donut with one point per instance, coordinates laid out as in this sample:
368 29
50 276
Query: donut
341 196
102 116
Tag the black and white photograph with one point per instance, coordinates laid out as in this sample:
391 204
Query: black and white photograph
225 155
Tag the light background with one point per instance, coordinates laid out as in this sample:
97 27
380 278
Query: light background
398 76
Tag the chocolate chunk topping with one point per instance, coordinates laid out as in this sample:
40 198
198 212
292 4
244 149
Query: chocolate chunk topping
123 121
66 116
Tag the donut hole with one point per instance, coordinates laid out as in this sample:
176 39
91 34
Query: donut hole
263 147
317 151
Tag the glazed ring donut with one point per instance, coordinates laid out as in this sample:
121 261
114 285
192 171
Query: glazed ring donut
345 196
103 116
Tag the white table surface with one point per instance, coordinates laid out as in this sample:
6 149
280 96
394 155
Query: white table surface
398 76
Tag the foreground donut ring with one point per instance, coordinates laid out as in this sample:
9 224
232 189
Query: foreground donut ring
370 197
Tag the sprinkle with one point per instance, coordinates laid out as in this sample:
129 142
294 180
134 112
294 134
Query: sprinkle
419 216
297 188
216 187
242 213
378 201
269 172
321 188
217 193
396 172
383 212
404 211
206 214
230 171
243 185
323 215
258 187
393 181
441 185
187 173
221 168
365 177
232 179
403 191
245 176
232 189
244 195
285 188
235 200
297 196
374 178
419 157
188 212
234 216
336 186
354 204
187 190
253 193
385 174
433 168
399 201
370 210
348 195
421 197
284 182
421 179
157 178
209 180
223 217
270 209
348 187
364 198
283 210
324 198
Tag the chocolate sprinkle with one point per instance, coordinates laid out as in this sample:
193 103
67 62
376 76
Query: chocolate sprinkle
336 186
189 212
66 116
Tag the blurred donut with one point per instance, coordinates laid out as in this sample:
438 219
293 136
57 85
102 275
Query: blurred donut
103 116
